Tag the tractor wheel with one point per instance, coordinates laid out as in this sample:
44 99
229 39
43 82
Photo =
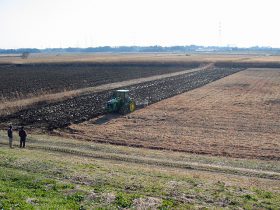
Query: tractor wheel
132 106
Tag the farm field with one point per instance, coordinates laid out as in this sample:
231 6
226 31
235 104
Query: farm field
48 78
124 58
29 80
13 105
49 73
208 139
87 106
141 57
236 116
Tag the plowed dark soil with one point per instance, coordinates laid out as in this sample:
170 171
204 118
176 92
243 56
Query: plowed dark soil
85 107
27 80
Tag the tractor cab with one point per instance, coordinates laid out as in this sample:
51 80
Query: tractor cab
121 102
121 94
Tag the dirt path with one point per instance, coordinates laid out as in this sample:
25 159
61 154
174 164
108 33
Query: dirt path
116 85
13 106
165 163
169 162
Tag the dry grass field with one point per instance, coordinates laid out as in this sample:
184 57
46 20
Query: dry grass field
146 57
236 116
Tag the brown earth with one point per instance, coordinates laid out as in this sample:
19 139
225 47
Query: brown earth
236 116
138 57
141 57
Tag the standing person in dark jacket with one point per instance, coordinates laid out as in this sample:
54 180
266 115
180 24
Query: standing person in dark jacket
22 134
10 135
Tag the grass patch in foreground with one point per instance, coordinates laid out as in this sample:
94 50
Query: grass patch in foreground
20 190
38 179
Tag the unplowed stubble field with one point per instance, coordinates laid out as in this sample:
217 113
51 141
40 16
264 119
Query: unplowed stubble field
236 116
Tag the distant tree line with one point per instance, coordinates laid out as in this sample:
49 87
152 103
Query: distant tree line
19 51
139 49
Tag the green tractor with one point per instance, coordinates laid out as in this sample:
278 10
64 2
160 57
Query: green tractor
121 103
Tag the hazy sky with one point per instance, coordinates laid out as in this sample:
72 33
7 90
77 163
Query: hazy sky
90 23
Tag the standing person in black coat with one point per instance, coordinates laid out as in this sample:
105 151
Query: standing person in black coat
10 135
22 134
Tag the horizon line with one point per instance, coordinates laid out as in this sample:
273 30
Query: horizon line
143 46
